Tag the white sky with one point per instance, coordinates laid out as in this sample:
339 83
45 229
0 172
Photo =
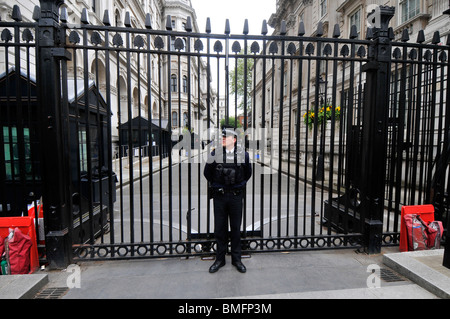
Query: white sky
236 11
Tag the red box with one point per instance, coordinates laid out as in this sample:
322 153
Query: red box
26 226
426 212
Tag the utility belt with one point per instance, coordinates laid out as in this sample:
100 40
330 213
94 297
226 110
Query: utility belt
223 191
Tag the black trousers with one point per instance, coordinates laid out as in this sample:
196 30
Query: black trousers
228 206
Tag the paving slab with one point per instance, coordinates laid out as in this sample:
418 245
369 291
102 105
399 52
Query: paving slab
21 286
334 274
410 291
424 268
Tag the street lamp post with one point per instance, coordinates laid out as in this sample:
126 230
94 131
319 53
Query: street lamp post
321 159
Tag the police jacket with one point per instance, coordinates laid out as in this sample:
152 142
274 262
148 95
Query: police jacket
228 170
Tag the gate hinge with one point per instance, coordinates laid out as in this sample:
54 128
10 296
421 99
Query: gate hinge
61 53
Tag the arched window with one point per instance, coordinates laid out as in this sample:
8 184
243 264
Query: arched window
174 119
155 111
185 84
173 83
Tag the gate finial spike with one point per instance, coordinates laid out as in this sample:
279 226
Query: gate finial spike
319 32
127 21
405 35
148 21
391 33
63 16
84 16
227 26
16 15
36 13
283 29
264 28
169 23
336 31
436 38
106 20
301 29
421 37
188 26
246 30
208 25
353 32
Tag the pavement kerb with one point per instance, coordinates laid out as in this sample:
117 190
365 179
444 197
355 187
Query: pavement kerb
420 273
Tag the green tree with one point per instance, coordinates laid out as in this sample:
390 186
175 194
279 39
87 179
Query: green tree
238 83
231 122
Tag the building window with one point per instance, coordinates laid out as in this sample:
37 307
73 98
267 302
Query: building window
85 161
11 151
185 119
173 83
174 119
323 7
117 18
185 84
172 43
355 19
83 149
409 9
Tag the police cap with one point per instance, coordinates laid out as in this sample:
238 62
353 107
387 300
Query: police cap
228 131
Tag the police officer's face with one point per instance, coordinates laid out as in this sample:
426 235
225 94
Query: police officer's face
228 141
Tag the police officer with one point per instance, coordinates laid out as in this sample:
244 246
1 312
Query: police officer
227 170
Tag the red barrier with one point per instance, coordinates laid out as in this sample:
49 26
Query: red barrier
26 226
40 231
426 212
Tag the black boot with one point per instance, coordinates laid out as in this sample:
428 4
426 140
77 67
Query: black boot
216 266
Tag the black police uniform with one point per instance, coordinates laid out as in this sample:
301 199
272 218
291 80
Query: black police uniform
228 174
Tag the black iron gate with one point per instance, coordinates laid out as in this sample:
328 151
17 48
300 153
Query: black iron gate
110 127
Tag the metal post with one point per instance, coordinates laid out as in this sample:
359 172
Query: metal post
374 138
56 179
321 160
446 261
